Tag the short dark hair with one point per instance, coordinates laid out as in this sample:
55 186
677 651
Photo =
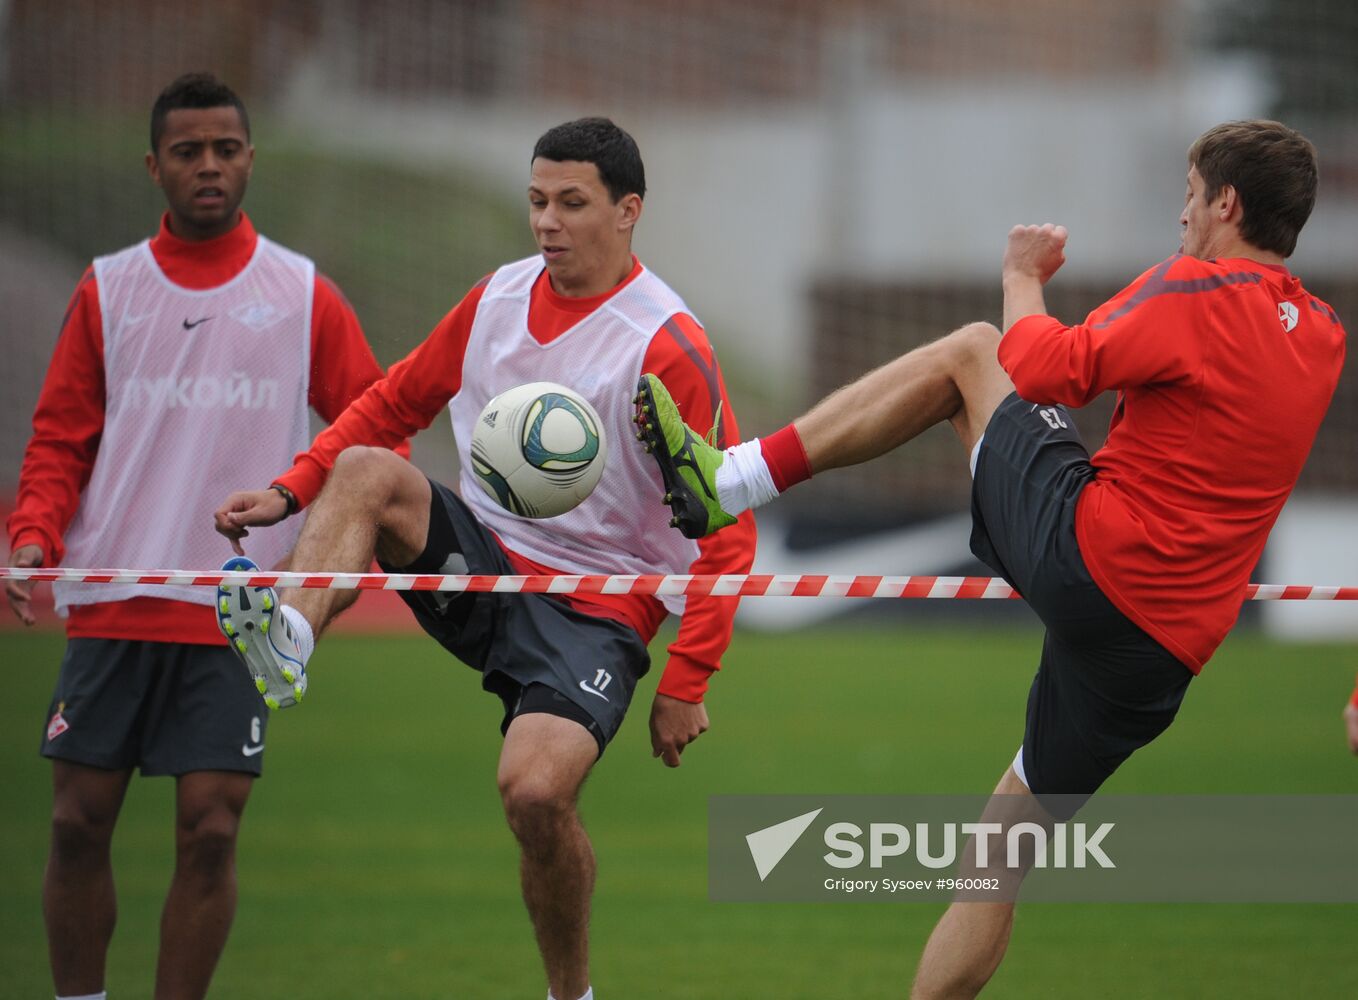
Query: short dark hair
600 142
1273 170
194 90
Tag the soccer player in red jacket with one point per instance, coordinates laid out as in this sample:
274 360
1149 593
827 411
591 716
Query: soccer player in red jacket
586 313
1137 559
124 469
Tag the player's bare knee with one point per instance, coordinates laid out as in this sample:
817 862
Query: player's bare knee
976 343
964 351
365 469
78 836
530 794
379 481
981 382
206 847
534 806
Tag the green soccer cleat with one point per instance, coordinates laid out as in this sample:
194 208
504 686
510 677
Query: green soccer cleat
688 463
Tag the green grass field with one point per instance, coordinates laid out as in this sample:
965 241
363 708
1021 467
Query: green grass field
375 863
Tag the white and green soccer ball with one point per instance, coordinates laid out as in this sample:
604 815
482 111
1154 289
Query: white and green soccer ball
538 449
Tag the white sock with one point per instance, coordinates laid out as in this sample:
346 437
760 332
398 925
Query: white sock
101 995
587 995
301 630
743 479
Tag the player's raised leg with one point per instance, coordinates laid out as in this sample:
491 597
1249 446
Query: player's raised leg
202 899
956 378
544 762
374 504
79 904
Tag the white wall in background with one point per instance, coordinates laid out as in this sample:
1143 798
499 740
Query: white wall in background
1314 542
748 205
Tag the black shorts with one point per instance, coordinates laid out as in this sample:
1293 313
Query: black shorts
533 651
166 707
1104 687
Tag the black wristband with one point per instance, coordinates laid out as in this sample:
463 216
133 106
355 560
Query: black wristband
287 496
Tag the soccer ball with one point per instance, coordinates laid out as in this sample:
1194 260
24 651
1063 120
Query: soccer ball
538 449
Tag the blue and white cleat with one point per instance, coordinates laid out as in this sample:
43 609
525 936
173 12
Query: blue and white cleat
261 636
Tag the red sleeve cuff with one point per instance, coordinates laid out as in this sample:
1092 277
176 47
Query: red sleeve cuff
1354 700
1035 321
52 549
1018 336
304 481
685 678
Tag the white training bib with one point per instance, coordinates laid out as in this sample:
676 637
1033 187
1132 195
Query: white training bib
206 394
621 527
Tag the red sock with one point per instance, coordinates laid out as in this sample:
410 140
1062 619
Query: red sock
785 455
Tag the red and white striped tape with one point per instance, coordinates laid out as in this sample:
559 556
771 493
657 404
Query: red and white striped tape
731 585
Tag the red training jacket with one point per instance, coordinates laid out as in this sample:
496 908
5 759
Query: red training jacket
1224 370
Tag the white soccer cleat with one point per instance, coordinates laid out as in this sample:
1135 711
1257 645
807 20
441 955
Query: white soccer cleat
261 636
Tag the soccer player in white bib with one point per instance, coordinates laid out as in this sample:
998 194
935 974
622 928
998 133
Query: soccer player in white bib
206 323
584 313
